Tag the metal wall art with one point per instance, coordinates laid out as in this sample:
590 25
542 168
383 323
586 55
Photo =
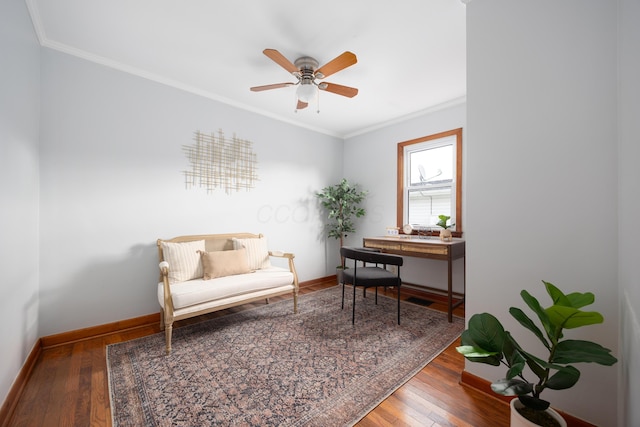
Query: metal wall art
220 163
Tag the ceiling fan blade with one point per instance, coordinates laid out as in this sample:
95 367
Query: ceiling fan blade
273 86
279 59
301 105
347 91
339 63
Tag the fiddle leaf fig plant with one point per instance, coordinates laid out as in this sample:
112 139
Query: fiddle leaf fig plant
342 203
443 221
486 341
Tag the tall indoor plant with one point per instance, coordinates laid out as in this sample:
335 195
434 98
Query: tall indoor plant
342 203
486 341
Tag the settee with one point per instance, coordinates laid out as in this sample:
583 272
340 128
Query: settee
200 274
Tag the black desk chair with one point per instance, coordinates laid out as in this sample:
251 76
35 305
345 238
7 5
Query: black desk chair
368 276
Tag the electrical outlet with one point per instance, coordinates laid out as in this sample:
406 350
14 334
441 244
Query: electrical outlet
393 269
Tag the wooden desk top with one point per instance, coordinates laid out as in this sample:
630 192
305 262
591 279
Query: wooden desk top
417 246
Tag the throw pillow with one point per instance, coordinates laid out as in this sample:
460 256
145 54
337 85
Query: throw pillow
184 260
257 252
224 263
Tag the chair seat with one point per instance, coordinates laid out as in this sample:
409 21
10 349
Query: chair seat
370 276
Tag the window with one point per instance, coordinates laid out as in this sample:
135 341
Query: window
429 180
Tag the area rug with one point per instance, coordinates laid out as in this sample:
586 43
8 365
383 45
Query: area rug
269 367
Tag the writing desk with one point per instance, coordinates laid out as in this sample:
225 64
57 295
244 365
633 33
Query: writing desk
424 248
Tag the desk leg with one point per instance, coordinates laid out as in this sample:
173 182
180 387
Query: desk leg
450 290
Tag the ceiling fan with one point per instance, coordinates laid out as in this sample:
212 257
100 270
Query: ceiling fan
306 70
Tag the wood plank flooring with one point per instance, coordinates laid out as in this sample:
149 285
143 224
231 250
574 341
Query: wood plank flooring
68 387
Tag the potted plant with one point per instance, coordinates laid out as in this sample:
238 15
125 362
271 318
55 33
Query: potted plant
342 202
486 341
445 233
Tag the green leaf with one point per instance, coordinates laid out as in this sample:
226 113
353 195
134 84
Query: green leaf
473 353
536 364
557 296
486 332
513 358
512 387
565 378
476 354
579 300
525 321
575 299
516 365
542 315
570 318
576 351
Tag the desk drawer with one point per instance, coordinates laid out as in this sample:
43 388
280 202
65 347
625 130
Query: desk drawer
424 248
388 246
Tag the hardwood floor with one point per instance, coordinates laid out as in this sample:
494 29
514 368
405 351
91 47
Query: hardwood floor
68 387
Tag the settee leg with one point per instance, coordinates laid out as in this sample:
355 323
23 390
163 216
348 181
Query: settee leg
162 320
267 300
167 336
295 301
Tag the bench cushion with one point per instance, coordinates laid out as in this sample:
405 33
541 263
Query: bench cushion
197 291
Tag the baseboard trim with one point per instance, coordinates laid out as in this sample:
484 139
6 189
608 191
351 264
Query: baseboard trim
124 325
11 401
313 282
484 386
99 330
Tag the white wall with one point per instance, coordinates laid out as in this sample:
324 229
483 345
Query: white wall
19 98
542 177
112 183
371 161
629 210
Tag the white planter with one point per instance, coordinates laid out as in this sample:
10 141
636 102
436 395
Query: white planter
445 235
518 420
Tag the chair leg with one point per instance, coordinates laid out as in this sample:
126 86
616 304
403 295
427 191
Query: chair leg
398 305
376 295
343 296
168 328
353 315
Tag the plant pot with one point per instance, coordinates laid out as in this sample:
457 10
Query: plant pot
445 235
517 420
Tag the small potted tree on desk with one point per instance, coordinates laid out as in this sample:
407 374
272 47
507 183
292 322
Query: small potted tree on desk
445 233
486 341
342 202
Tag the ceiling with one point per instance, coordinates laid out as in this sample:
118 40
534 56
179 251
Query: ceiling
411 53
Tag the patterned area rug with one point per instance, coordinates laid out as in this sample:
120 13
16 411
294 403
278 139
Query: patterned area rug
268 367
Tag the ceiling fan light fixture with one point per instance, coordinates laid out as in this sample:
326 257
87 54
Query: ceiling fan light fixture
307 92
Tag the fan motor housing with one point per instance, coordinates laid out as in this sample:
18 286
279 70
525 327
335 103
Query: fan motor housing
306 63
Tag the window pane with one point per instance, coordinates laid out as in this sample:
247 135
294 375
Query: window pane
425 206
432 164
